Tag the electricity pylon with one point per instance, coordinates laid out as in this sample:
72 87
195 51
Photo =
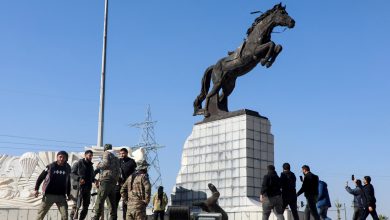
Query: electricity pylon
148 142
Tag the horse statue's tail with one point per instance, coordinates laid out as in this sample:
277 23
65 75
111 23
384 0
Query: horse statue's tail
204 90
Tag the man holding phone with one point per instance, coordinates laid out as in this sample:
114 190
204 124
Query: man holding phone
310 188
358 198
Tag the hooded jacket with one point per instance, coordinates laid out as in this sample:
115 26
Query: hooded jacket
323 195
271 184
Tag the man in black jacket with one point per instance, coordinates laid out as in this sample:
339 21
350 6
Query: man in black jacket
271 194
82 178
127 166
56 186
370 199
289 193
310 188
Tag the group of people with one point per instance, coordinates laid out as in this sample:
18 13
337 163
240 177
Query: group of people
118 178
364 201
279 192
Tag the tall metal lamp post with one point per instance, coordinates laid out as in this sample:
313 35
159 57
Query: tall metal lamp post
103 79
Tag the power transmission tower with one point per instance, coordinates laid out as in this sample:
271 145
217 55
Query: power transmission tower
148 142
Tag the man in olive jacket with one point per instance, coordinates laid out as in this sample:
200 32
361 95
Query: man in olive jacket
109 175
136 192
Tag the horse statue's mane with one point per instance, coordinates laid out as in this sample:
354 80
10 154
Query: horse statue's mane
260 18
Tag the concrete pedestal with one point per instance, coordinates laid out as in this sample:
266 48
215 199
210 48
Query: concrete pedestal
232 153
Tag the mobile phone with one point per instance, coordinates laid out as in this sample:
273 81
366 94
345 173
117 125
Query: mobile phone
353 177
301 178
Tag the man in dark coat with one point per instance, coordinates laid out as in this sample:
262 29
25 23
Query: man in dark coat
369 194
82 178
56 186
323 203
289 193
127 166
358 199
271 196
310 188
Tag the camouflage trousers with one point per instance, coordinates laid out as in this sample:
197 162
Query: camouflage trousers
48 200
106 190
136 212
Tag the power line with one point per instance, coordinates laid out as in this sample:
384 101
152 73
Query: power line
35 144
43 139
30 149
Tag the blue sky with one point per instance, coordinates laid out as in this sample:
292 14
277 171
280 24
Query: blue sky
326 95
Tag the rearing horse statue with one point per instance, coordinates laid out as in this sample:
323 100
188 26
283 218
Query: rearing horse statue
257 48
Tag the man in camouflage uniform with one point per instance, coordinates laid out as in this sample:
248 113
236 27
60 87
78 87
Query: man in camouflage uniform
109 175
136 192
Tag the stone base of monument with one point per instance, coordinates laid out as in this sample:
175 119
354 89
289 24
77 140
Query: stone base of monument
232 152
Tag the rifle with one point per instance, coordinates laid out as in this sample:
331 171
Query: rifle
78 204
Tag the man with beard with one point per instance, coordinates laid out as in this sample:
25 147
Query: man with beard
56 186
127 167
82 178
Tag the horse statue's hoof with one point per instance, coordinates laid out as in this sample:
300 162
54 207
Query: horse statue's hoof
268 64
198 112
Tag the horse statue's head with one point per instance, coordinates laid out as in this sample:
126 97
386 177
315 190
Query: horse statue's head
281 17
277 16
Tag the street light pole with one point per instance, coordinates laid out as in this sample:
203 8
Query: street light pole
103 79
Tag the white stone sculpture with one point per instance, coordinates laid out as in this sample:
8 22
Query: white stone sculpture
28 162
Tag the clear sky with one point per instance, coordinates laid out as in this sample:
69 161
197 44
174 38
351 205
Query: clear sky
327 95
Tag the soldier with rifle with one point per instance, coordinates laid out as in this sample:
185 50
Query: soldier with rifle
82 176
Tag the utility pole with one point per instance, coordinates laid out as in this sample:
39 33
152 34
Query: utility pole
345 211
103 79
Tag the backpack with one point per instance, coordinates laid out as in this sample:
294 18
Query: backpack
114 167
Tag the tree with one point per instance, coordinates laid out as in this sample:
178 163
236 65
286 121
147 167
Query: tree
383 217
338 207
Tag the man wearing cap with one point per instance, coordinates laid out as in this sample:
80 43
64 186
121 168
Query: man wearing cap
56 186
136 192
109 175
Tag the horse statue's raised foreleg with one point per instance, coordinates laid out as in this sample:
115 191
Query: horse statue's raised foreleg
278 48
269 47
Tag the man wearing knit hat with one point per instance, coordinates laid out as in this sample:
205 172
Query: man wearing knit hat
56 186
